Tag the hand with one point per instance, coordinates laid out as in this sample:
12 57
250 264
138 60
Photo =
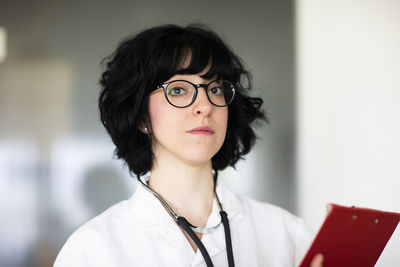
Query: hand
317 261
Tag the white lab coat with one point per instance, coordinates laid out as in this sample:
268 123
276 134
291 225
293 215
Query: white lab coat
140 232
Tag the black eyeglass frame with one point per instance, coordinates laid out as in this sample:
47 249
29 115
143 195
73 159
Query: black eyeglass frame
196 86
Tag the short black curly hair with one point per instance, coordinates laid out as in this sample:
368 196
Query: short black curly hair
148 59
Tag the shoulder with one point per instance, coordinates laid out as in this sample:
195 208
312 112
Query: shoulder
95 235
274 216
263 210
261 215
284 230
117 215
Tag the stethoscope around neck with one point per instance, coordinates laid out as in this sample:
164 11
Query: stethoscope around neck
190 229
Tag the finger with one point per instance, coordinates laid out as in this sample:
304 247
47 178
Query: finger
328 208
317 261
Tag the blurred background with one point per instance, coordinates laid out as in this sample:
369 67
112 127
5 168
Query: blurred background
328 72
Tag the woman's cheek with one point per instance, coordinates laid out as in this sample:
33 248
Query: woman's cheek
157 110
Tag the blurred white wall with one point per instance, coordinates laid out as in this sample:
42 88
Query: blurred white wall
348 69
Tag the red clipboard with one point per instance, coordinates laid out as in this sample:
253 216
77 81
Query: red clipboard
352 236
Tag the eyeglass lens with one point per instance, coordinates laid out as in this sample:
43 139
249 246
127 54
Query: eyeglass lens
181 93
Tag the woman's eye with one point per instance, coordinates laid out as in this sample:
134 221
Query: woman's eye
176 91
216 91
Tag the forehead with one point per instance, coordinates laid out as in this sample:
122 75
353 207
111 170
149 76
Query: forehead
197 58
204 60
187 66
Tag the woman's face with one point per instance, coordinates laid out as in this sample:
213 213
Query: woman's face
176 133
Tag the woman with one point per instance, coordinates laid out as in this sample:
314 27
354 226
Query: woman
175 104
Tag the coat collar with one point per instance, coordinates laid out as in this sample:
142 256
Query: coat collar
147 211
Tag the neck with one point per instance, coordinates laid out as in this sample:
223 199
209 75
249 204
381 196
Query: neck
188 189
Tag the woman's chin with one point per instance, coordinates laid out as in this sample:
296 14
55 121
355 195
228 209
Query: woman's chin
197 158
200 155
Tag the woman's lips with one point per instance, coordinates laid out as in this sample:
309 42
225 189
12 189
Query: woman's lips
202 130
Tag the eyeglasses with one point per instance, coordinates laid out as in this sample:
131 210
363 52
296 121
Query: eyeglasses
181 93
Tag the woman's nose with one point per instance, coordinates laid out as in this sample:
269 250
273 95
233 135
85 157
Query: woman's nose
202 105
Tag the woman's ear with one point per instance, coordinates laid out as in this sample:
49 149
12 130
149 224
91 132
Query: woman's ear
144 128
